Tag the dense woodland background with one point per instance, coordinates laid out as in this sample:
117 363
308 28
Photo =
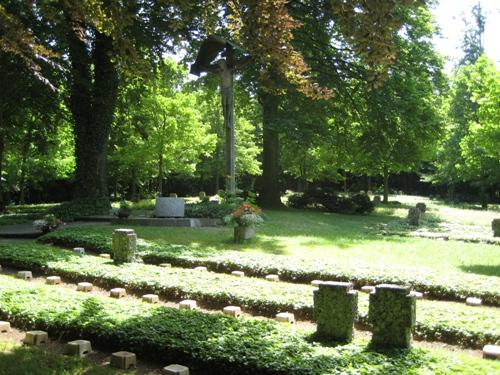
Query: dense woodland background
96 101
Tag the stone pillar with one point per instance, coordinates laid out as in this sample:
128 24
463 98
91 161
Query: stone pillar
414 216
392 313
335 309
124 245
495 225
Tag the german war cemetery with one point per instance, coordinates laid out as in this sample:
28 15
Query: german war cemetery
277 187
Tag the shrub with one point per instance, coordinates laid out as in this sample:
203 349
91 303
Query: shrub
68 211
354 204
449 322
219 344
208 209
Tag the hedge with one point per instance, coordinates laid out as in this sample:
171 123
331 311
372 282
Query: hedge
445 321
440 285
209 343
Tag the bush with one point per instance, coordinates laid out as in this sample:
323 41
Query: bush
449 322
68 211
354 204
208 209
216 343
441 285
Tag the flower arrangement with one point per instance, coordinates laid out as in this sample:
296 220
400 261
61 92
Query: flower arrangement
245 215
48 223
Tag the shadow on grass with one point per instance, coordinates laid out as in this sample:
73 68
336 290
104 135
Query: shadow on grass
22 360
482 269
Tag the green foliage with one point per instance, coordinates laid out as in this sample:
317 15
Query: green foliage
335 311
449 322
442 284
68 211
392 316
353 204
214 342
210 209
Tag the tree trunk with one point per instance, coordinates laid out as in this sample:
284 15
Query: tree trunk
386 185
270 191
368 183
92 104
2 151
345 181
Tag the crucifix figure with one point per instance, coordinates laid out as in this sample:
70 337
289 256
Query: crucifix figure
225 66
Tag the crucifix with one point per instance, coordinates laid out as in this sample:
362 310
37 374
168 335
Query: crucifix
217 55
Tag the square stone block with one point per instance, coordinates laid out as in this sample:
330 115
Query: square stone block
4 326
79 250
117 292
175 370
491 352
25 275
368 289
188 304
232 310
201 268
53 280
105 256
272 278
165 265
238 273
36 338
473 301
285 317
84 287
150 298
79 348
123 360
316 282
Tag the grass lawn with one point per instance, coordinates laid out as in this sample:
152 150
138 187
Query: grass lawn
315 234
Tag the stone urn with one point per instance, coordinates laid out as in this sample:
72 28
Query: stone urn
244 232
169 207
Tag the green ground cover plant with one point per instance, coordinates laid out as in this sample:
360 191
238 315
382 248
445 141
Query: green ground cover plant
25 360
213 343
442 284
446 321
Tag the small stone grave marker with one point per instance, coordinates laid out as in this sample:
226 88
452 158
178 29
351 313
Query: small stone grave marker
123 360
491 352
25 275
150 298
117 293
105 256
36 338
4 326
188 304
232 310
473 301
79 348
238 273
175 370
285 317
201 268
165 265
79 250
272 278
53 280
84 287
